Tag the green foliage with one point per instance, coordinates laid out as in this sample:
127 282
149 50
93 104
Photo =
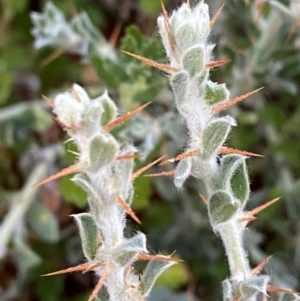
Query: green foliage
221 207
102 151
214 135
152 272
72 193
43 222
174 277
135 81
262 42
88 233
142 193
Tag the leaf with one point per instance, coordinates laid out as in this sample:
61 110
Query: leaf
233 176
193 60
82 181
215 93
214 135
122 170
221 207
91 123
179 82
153 270
110 72
182 171
88 233
25 257
240 182
43 222
126 253
103 150
174 277
109 107
250 287
72 193
228 163
186 36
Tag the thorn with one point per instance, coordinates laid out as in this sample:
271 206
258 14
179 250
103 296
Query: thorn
163 173
247 219
205 201
164 11
272 288
256 270
262 207
80 267
128 209
128 156
187 154
217 63
233 101
62 125
92 267
216 16
237 297
162 67
49 101
100 282
123 118
141 170
168 28
66 171
54 55
115 35
228 150
143 256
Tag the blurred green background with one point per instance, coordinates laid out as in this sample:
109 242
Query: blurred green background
37 235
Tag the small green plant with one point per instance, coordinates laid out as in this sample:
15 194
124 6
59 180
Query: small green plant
104 168
223 170
105 172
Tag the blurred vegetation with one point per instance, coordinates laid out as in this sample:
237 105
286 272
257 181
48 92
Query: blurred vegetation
37 236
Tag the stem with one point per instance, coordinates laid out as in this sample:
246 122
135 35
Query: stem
20 207
238 262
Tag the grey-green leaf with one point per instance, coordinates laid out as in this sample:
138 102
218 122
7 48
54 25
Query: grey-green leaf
126 253
43 222
25 257
240 183
88 233
103 150
182 172
179 82
214 135
215 93
221 207
122 170
228 164
193 60
83 181
109 109
249 288
185 36
91 119
153 270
